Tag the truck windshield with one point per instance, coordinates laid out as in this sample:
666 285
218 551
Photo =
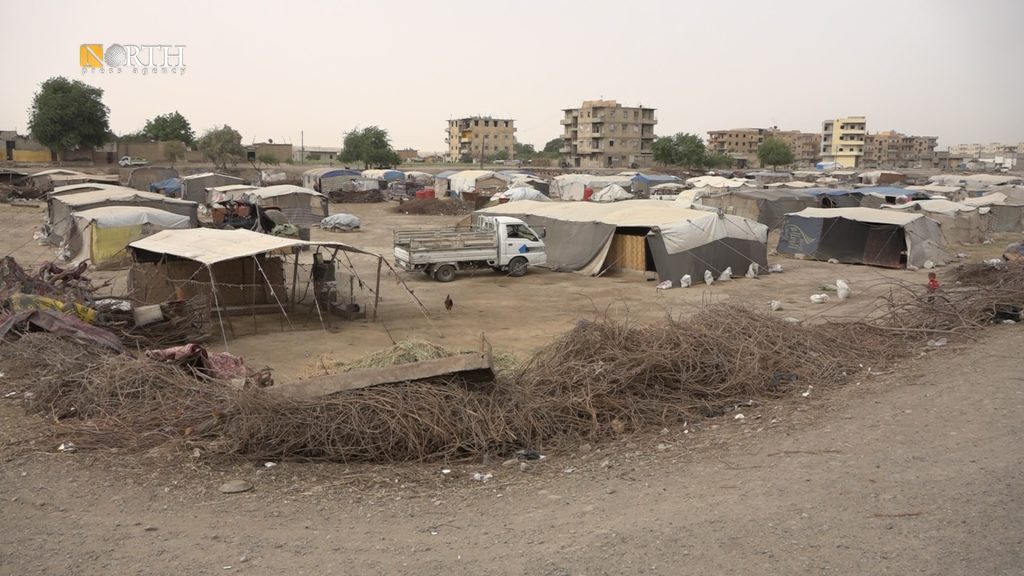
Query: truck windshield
521 231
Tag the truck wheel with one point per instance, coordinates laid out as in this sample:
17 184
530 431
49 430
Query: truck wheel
517 267
444 273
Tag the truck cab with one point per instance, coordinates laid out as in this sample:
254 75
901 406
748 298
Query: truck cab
515 238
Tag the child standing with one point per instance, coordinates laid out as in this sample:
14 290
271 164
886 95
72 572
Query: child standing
933 282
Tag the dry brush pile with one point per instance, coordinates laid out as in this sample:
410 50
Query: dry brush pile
599 380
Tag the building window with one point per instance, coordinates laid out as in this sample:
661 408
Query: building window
611 143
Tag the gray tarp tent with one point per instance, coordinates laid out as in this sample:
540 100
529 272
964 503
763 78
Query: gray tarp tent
60 208
648 235
194 186
770 206
888 238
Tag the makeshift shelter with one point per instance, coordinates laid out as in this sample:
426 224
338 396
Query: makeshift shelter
386 175
140 178
78 188
479 181
770 206
101 235
242 271
227 193
959 222
975 181
643 183
887 238
611 193
326 180
303 207
441 182
519 178
646 235
881 177
1005 209
419 178
955 193
169 187
360 185
194 186
875 196
574 186
521 193
792 184
763 178
60 208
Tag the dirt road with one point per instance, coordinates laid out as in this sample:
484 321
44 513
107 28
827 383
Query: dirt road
915 472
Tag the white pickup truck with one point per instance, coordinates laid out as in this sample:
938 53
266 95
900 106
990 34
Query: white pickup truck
502 243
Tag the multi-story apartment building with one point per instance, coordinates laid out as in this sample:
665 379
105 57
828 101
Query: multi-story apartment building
890 148
990 149
479 137
742 144
842 141
606 134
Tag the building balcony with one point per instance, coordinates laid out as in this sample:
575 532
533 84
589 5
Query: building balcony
568 121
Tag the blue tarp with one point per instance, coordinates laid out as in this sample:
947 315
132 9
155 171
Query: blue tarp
828 191
655 179
446 173
169 187
340 172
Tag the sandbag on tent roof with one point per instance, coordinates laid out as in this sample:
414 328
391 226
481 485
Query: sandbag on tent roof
649 235
102 234
194 186
610 193
888 238
304 208
61 207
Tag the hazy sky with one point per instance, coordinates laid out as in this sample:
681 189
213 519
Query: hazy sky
272 69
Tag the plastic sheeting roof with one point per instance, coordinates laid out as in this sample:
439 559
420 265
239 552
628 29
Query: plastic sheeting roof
937 206
115 193
118 216
465 181
867 215
210 246
280 190
384 174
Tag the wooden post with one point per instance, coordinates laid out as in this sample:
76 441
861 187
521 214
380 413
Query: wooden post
376 290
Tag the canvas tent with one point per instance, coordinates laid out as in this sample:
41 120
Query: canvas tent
303 207
645 235
480 181
887 238
643 183
521 193
770 206
875 196
140 178
101 235
710 181
881 177
60 208
611 193
233 269
441 181
1005 208
327 180
77 188
386 175
573 186
194 186
419 178
959 222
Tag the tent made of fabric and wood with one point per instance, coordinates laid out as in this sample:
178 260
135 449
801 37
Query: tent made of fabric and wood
770 206
194 186
646 235
101 235
887 238
960 222
60 208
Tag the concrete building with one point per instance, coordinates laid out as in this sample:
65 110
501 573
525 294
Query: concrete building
842 141
990 149
315 154
480 136
892 149
742 144
606 134
280 152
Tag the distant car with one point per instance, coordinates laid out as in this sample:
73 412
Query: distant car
126 161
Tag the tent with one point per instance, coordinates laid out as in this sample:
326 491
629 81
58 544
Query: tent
419 178
441 181
228 192
887 238
475 181
194 186
763 178
241 270
643 183
303 207
1005 208
77 188
645 235
140 178
102 234
521 193
387 175
572 186
960 222
60 208
328 179
610 193
880 177
875 196
709 181
770 206
169 187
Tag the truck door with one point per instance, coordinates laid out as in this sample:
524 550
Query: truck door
521 240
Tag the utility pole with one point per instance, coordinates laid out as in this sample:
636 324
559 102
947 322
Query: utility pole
302 146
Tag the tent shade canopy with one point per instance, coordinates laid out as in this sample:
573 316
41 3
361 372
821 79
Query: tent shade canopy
209 245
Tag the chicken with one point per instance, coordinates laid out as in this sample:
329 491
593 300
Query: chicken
448 303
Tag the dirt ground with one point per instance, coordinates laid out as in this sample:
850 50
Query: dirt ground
917 471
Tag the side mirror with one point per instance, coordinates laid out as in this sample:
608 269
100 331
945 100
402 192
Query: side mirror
543 232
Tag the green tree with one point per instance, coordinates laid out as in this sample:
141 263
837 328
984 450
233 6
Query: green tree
500 155
553 145
682 149
719 160
171 126
524 151
174 151
371 146
775 153
67 115
268 158
222 145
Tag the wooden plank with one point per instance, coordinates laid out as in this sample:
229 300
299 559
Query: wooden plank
475 367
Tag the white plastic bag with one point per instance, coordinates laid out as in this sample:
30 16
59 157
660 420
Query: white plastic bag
726 274
842 289
752 270
819 298
709 278
685 281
